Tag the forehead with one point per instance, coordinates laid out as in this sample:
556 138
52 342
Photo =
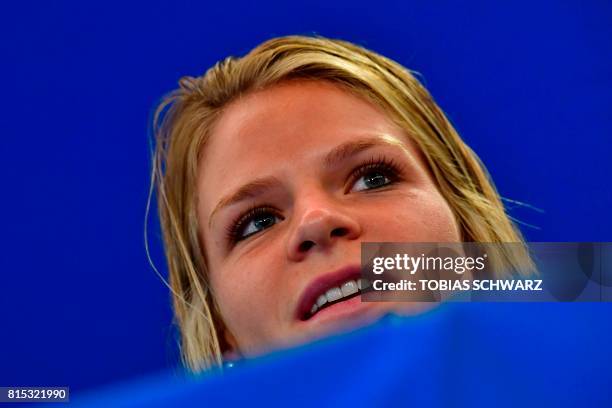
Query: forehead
277 130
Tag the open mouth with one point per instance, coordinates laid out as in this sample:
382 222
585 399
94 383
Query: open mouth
345 291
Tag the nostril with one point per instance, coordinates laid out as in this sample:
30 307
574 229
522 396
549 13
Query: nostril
305 246
339 232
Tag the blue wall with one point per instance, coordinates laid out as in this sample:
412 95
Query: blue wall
527 84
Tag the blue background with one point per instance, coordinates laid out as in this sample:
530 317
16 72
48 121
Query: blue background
527 84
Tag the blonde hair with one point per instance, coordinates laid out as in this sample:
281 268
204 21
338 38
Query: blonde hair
183 122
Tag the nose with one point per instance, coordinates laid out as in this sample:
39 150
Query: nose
321 223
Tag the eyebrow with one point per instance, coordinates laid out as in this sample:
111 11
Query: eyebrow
337 155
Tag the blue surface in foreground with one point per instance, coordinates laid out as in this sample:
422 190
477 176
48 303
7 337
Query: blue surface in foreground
456 355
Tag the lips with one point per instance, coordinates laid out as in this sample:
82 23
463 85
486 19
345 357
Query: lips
337 284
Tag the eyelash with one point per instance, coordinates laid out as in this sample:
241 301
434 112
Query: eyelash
235 229
389 167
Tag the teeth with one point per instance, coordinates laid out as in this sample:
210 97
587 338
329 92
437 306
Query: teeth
348 288
321 300
362 284
333 294
314 309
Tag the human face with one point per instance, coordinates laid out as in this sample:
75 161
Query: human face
323 171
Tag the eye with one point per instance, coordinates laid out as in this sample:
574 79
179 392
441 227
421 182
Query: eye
373 179
253 221
374 174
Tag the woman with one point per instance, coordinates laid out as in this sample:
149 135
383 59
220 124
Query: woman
272 168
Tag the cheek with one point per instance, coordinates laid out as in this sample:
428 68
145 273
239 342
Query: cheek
245 294
423 216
